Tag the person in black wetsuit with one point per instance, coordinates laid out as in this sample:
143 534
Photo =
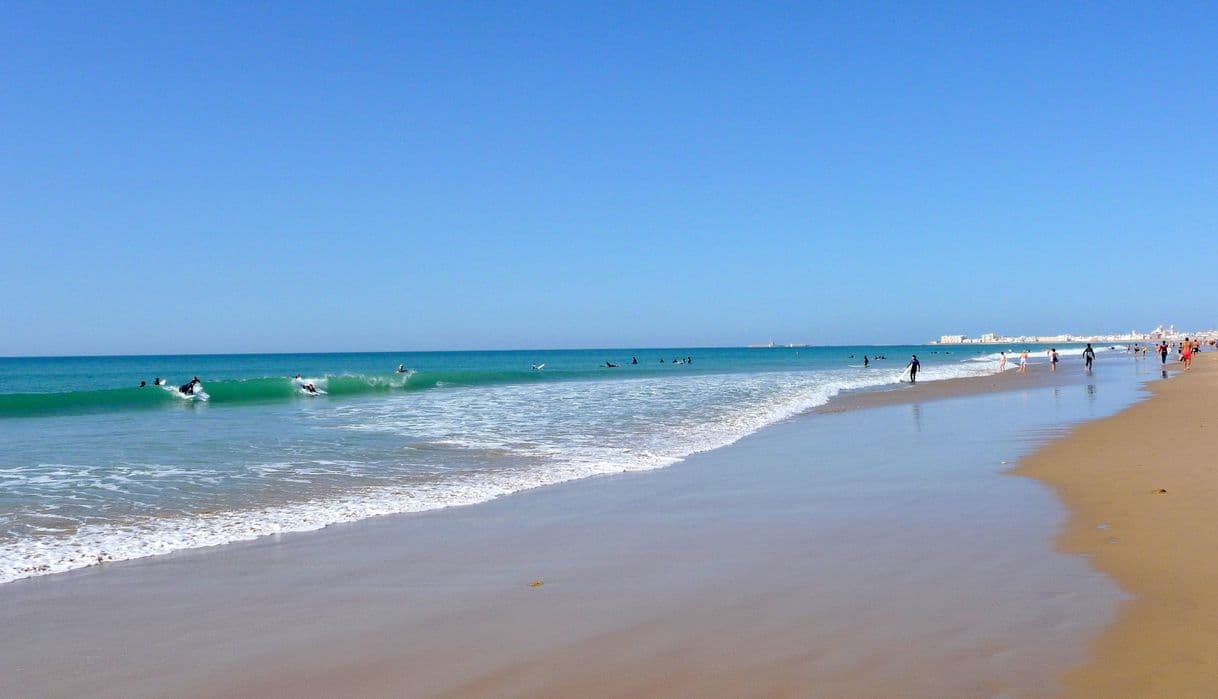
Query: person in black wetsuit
914 365
1088 357
866 362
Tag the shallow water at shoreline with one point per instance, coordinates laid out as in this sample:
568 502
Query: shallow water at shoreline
122 479
862 553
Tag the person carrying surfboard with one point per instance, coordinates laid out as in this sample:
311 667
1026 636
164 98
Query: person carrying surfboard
913 367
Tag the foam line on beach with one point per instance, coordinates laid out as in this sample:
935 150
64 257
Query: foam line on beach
737 405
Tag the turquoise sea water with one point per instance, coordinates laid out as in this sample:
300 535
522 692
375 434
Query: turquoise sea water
94 468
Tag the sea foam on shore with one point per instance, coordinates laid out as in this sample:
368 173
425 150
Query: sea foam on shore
225 474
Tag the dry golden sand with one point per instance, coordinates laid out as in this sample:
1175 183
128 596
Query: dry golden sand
1159 546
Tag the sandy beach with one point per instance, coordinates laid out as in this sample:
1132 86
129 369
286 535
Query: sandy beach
789 564
1141 489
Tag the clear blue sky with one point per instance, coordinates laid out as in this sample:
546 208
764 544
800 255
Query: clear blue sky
301 177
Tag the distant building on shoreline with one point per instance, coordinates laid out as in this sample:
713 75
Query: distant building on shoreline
1112 338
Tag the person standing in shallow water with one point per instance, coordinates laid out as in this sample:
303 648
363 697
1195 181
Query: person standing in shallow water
1053 358
1002 362
1088 358
914 365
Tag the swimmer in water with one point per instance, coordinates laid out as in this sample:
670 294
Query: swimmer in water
610 365
143 384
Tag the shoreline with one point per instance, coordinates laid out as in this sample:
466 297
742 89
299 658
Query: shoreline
879 395
1158 546
1038 376
788 563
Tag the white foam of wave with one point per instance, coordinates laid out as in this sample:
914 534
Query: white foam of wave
687 416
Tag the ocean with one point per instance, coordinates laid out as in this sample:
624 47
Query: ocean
94 468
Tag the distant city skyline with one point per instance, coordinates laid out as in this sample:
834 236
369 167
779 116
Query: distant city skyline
301 178
1160 331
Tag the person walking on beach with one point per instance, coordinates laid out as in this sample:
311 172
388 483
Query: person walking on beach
1163 352
914 365
1023 362
1053 359
1186 354
1002 362
1088 358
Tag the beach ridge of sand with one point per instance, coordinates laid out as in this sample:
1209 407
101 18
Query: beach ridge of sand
1142 491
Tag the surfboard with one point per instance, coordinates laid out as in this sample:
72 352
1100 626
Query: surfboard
198 395
906 375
